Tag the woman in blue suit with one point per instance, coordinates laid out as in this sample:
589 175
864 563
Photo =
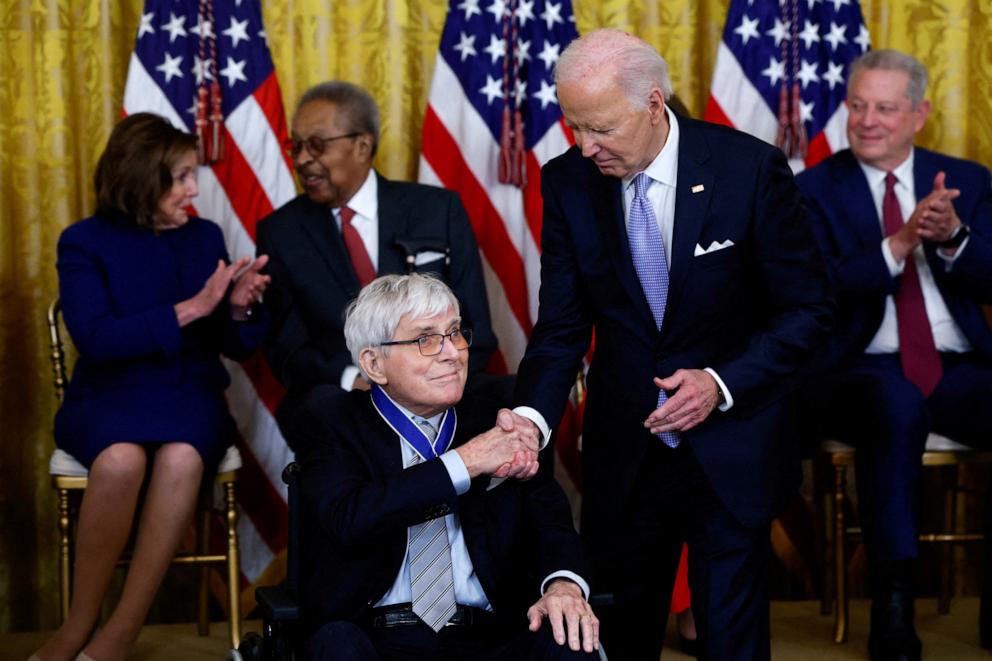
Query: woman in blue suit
150 301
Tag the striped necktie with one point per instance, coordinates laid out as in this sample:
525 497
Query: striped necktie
432 583
648 253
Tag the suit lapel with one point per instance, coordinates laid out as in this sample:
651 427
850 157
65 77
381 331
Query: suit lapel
318 223
690 209
862 214
606 199
392 223
382 440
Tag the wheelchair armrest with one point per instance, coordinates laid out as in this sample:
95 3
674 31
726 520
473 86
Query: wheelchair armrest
277 604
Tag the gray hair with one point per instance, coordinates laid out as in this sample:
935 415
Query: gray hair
888 59
357 107
373 317
636 64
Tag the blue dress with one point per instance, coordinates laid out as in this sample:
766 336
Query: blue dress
140 378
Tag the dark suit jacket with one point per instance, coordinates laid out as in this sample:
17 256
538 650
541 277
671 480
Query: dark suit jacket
313 280
754 312
359 502
850 234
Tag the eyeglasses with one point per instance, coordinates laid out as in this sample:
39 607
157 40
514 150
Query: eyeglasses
433 343
314 144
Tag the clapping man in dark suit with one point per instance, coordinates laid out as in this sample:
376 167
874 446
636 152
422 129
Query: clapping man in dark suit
415 551
685 244
349 225
908 236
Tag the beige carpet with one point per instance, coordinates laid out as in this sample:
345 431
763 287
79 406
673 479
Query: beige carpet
799 633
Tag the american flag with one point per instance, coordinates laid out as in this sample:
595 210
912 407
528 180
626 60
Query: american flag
492 121
492 107
781 73
182 46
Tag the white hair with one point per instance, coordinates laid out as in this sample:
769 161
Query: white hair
636 64
373 317
888 59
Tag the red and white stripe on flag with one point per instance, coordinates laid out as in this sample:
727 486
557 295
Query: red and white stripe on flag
781 70
182 45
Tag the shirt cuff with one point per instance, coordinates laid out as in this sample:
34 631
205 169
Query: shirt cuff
728 398
949 259
534 416
895 268
348 375
456 471
570 575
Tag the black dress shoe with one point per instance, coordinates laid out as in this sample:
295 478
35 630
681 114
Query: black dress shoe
892 636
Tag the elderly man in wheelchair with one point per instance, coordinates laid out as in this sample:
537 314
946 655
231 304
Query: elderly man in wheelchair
424 534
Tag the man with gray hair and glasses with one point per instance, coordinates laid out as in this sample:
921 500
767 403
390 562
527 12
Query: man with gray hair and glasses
417 547
350 225
907 234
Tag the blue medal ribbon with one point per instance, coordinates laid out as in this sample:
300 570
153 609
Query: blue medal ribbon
411 432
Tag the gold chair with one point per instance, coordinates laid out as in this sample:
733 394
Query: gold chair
940 452
69 480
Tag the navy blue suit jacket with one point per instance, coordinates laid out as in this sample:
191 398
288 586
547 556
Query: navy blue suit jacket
850 234
754 312
140 376
313 280
358 502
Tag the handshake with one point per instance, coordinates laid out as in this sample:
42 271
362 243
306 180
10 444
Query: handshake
507 450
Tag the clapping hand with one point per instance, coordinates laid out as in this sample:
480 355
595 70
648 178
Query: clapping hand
249 286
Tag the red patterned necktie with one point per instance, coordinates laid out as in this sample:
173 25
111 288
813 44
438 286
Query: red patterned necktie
917 351
360 259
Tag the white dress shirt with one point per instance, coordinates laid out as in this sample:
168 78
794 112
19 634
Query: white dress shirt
946 334
468 590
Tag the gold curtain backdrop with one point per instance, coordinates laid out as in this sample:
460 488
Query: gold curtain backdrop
62 70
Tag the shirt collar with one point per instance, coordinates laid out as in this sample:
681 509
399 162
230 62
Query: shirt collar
903 172
365 201
434 419
664 167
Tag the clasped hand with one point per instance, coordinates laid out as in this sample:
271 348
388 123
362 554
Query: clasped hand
507 450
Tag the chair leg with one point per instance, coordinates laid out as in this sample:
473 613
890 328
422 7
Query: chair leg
840 555
233 564
949 480
203 548
65 553
823 500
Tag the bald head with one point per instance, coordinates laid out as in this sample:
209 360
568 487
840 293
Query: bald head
612 56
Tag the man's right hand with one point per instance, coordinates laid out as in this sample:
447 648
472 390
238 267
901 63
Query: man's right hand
488 453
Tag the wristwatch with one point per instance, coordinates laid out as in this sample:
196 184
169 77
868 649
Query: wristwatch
960 234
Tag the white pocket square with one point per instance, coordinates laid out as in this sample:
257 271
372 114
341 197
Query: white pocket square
427 257
716 245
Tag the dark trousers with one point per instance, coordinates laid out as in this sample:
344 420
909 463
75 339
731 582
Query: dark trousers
673 502
346 641
872 406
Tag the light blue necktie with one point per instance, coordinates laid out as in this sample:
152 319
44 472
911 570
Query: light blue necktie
431 580
648 252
